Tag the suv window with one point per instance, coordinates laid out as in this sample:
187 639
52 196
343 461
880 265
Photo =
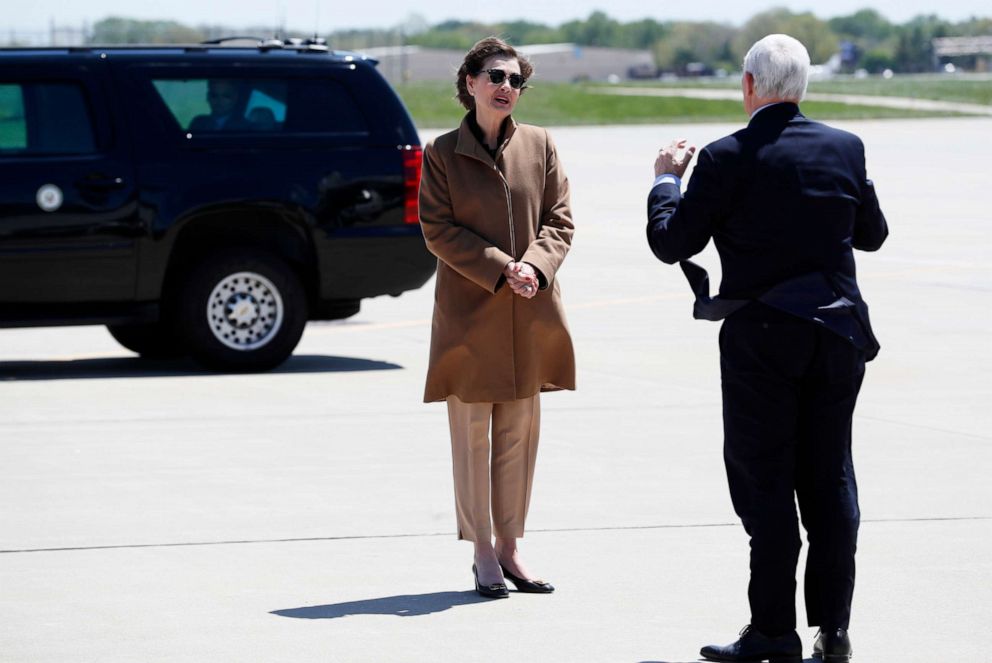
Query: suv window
268 105
44 118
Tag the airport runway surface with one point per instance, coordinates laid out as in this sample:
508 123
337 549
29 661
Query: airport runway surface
154 512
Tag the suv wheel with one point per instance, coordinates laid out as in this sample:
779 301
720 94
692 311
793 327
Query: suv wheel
241 311
151 341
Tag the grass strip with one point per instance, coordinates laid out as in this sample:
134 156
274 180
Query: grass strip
432 105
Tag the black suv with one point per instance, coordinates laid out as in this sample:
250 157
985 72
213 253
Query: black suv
204 200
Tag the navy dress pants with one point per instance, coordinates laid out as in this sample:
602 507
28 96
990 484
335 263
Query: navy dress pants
789 389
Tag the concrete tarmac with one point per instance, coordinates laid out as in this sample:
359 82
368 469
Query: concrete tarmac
155 512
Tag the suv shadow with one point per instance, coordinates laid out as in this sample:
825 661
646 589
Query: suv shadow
137 367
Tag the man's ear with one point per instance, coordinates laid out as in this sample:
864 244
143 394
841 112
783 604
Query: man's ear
748 83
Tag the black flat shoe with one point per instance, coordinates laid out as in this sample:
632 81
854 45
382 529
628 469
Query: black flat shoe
528 586
832 646
754 646
495 591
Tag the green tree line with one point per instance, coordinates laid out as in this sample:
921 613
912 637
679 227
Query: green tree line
875 43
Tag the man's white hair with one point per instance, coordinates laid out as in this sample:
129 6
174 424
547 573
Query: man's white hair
780 66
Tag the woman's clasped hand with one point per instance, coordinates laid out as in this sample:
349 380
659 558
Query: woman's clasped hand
521 278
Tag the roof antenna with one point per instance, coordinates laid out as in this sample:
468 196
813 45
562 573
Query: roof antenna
316 42
281 28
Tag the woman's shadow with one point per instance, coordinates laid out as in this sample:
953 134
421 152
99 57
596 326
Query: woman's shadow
408 605
403 605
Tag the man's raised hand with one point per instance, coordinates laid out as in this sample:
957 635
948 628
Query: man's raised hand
669 161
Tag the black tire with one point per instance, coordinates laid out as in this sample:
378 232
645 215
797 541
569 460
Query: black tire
151 341
240 310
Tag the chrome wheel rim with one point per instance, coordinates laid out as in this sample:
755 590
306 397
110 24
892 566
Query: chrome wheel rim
245 311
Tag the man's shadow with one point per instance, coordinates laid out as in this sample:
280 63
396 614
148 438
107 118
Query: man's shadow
403 605
703 660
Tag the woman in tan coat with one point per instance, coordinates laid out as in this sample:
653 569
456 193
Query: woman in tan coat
494 208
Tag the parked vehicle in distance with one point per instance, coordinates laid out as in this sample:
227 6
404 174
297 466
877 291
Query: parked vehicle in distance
205 200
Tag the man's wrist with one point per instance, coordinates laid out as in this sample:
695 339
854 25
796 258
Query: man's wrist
667 178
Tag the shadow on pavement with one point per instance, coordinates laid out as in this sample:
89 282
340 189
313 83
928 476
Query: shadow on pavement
404 605
697 660
136 367
703 660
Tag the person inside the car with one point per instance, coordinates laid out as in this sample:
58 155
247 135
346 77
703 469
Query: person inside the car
226 102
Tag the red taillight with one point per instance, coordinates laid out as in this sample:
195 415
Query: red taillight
412 161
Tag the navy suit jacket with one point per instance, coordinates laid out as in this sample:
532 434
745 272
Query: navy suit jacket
785 200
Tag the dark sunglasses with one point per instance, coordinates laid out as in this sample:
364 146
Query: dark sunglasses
497 76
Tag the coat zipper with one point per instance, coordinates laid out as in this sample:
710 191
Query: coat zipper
513 251
509 211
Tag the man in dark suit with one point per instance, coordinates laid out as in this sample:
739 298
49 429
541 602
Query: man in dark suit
785 200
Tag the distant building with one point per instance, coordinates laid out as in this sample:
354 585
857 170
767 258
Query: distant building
559 63
975 51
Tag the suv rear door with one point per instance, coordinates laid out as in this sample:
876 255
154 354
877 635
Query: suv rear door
68 211
298 141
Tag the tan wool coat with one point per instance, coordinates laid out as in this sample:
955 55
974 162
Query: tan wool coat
477 214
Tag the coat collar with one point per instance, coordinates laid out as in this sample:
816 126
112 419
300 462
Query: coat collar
468 145
775 115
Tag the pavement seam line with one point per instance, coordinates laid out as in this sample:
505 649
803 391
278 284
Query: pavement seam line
364 537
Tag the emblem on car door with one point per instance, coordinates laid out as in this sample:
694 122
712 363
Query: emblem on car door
49 197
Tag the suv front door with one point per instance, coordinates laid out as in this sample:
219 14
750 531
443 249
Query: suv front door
68 213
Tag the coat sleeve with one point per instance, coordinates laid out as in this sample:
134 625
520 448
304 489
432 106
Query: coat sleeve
466 252
870 228
554 237
679 226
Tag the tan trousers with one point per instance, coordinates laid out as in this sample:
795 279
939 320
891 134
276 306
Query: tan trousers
504 481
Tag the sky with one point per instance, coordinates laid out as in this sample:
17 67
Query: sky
329 15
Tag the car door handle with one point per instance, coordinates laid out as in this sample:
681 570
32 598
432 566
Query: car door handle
100 182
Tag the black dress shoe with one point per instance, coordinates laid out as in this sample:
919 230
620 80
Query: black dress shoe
497 590
832 645
755 646
528 586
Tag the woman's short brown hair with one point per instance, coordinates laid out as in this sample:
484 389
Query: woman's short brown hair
476 58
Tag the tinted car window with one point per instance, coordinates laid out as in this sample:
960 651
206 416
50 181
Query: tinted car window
322 106
13 128
220 105
45 118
